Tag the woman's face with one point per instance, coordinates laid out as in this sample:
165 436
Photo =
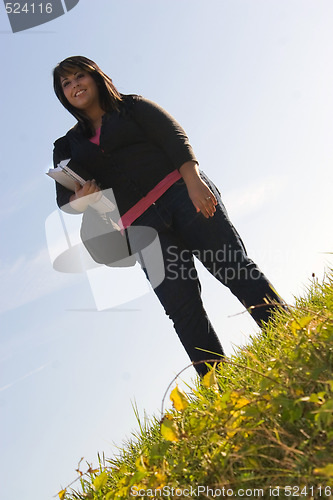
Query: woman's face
80 90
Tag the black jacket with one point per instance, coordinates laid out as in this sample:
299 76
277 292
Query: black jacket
139 146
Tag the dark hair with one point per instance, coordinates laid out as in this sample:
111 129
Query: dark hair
109 96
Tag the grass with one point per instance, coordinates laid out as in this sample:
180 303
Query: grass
260 425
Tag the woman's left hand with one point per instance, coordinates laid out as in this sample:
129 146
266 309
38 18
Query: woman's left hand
202 197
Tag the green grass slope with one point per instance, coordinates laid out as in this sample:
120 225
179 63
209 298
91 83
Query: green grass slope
258 426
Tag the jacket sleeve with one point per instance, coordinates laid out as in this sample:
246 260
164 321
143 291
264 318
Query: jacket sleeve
61 152
164 131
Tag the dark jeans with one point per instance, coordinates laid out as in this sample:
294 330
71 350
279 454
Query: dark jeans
184 233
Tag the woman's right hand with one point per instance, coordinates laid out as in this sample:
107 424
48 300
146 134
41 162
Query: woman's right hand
85 195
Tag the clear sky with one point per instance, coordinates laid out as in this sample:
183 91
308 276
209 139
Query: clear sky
251 81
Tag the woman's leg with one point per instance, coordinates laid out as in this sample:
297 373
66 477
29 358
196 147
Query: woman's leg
180 294
216 243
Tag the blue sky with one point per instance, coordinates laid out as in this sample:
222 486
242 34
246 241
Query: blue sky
251 82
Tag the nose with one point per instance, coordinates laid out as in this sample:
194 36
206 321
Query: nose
75 84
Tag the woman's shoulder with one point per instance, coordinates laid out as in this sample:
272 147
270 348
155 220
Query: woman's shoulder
60 142
63 140
140 107
136 99
130 98
128 104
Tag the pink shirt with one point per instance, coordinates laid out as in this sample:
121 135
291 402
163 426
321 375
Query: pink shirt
96 137
141 206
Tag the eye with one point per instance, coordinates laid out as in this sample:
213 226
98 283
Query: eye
65 84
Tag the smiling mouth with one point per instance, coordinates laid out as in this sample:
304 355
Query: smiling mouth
79 93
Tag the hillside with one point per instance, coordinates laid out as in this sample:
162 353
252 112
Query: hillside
257 426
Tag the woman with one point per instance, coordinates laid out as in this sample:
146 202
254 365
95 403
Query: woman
133 146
